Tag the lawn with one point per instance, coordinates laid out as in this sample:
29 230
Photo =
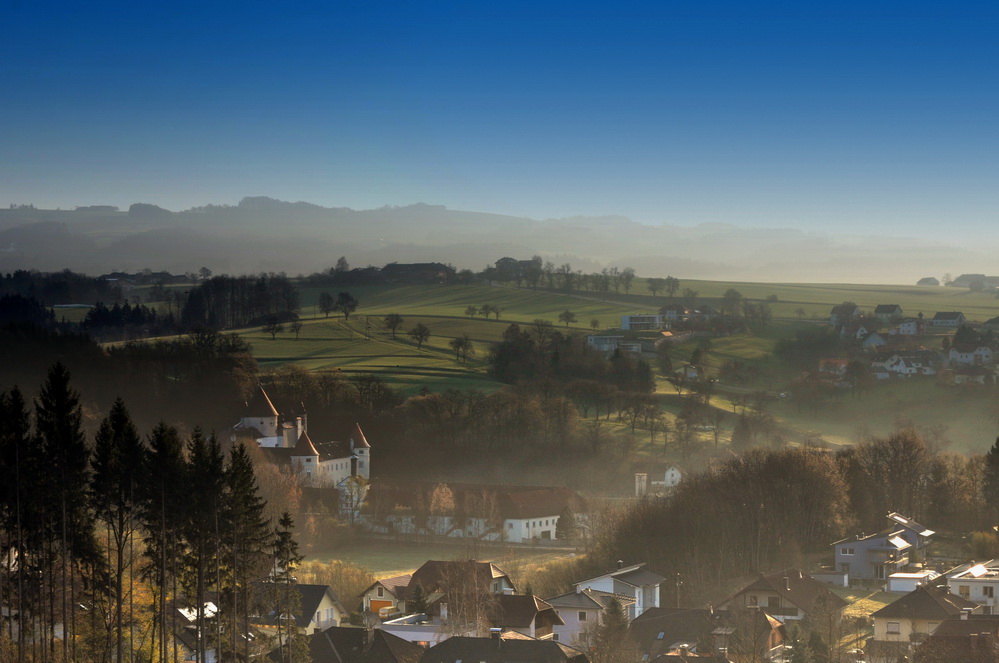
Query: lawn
385 558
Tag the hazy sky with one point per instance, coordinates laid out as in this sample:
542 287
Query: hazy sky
865 116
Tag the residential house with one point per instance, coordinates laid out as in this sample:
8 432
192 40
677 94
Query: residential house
634 581
345 644
948 319
969 354
673 312
186 633
448 588
843 313
644 321
526 614
873 341
908 327
833 366
888 313
320 608
928 280
856 330
968 639
386 593
900 624
627 345
908 363
873 556
584 609
916 534
671 479
977 582
699 632
502 647
992 325
971 375
787 595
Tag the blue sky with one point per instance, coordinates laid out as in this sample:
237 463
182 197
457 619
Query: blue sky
838 116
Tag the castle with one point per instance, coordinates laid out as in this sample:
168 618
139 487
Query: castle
285 441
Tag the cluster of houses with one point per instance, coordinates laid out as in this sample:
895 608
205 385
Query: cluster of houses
888 337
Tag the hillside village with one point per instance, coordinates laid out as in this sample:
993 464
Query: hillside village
472 610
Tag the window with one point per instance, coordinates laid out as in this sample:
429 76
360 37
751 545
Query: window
846 551
509 525
893 627
753 600
308 460
963 590
773 602
318 617
661 635
381 592
555 637
582 616
988 591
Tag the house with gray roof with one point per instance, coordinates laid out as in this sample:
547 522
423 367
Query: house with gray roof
787 595
900 624
948 319
634 581
873 556
502 647
583 609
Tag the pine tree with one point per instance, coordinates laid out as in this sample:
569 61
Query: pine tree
205 473
163 514
990 479
117 462
17 474
287 600
66 523
247 536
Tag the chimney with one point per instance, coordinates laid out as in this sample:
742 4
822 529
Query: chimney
497 635
965 612
620 563
787 583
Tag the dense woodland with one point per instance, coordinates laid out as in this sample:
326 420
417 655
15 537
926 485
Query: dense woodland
104 536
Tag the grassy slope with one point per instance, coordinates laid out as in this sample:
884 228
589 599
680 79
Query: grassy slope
332 343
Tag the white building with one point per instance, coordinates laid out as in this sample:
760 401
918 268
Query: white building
635 582
644 321
583 610
977 582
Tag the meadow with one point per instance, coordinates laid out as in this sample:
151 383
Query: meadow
959 419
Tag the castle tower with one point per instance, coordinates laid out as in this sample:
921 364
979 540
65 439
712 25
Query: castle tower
261 415
305 460
361 450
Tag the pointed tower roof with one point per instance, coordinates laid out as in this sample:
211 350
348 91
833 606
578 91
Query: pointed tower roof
260 404
357 438
304 447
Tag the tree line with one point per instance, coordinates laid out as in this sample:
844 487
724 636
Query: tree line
766 509
104 540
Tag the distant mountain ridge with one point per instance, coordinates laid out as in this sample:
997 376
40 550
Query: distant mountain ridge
266 234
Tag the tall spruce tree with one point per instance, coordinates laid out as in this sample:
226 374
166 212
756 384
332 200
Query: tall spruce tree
62 492
206 476
18 471
990 479
246 539
292 645
117 463
164 508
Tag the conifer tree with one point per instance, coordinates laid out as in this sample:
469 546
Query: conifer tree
990 478
205 472
66 523
287 600
163 513
247 538
117 463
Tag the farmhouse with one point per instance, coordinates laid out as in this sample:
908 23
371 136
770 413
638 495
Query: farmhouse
486 512
948 319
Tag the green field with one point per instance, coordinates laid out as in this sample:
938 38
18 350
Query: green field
961 420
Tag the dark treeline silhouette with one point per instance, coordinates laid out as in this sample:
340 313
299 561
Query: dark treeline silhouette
63 287
204 376
103 540
224 302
